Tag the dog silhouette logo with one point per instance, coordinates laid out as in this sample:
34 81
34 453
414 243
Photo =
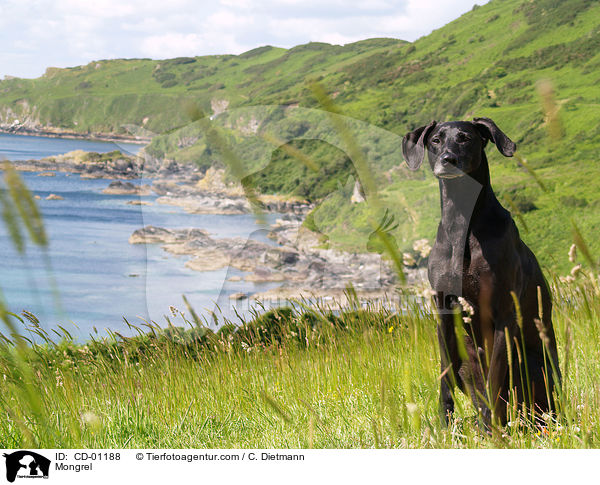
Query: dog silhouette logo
26 464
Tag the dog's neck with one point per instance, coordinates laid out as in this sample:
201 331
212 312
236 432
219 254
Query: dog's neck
466 198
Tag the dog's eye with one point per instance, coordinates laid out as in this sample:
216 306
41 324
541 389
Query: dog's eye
435 140
461 137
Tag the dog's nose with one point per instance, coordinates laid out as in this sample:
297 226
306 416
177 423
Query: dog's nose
449 159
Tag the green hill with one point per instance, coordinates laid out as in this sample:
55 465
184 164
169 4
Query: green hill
489 62
103 96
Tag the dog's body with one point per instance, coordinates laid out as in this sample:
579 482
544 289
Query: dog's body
479 256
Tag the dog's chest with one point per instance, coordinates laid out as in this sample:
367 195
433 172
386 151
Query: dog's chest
457 269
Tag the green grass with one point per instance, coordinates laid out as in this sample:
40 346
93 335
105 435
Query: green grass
288 379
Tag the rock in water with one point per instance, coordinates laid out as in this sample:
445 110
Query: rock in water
126 188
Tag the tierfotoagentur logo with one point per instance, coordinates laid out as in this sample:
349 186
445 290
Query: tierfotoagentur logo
26 464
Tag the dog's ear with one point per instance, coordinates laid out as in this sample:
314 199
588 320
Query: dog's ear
413 145
489 131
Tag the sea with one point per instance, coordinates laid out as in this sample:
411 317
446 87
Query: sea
90 281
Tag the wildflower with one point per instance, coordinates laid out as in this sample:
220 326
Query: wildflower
391 329
573 253
575 270
466 306
408 260
422 247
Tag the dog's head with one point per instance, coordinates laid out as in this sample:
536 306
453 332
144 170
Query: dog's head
456 147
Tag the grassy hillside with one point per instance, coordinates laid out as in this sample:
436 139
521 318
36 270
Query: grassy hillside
105 95
489 62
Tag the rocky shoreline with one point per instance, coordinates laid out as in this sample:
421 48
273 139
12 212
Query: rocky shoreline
294 259
175 184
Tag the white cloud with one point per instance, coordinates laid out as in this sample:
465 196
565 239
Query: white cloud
171 45
41 33
224 20
98 9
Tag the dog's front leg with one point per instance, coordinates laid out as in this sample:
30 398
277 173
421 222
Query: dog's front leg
496 379
449 365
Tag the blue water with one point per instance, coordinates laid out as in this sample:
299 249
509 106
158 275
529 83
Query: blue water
90 276
25 147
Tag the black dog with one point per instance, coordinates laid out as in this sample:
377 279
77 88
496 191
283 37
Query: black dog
479 256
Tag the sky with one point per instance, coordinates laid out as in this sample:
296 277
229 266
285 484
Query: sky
35 34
